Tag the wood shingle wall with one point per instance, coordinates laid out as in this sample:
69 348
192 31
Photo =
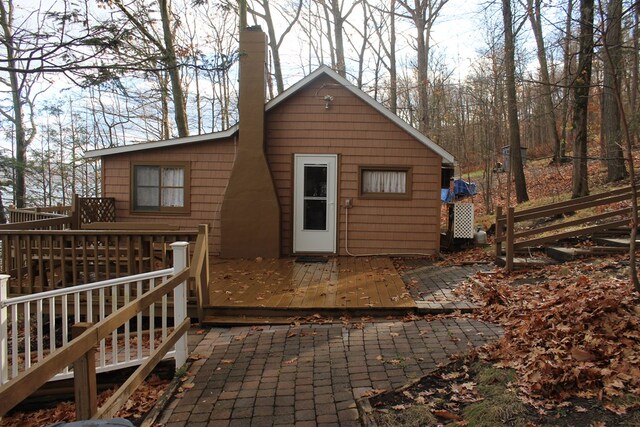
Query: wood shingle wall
361 137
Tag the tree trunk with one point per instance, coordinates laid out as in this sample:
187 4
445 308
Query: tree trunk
393 72
581 86
423 75
551 131
566 83
610 128
338 24
6 20
635 84
515 157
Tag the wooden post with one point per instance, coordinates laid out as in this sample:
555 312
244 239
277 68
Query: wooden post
4 330
499 231
202 280
180 255
510 232
75 213
84 378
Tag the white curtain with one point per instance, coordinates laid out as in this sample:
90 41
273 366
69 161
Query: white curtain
384 181
173 187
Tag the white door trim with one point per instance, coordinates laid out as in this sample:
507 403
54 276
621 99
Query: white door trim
321 241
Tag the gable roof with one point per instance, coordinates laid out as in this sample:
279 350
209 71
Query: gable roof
447 158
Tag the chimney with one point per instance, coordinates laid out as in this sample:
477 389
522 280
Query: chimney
250 215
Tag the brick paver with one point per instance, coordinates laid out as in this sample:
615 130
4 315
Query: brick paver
432 285
312 374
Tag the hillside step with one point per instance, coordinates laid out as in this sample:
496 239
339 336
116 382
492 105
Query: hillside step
615 242
570 254
613 232
522 262
567 254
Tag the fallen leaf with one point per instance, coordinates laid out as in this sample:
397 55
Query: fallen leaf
447 415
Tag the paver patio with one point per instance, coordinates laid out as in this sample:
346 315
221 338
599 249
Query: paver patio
312 374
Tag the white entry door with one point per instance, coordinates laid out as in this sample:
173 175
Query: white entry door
314 204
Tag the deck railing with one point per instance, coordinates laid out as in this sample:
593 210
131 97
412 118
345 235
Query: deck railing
609 215
84 210
35 347
17 215
39 261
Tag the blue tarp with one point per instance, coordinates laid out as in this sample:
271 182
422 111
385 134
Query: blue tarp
446 196
463 188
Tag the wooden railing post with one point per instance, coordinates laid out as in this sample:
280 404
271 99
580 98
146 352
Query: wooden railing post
84 378
499 231
200 269
510 239
75 213
180 255
4 329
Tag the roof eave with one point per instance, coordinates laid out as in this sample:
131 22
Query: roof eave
161 144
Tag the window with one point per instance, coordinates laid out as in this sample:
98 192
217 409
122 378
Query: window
160 188
385 182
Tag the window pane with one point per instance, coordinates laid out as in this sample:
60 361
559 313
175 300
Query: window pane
147 197
173 197
384 181
172 177
315 181
148 176
315 215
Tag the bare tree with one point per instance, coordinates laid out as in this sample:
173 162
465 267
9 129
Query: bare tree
164 43
275 42
19 44
535 17
384 24
423 14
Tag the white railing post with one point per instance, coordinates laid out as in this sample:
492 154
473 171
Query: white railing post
4 329
180 254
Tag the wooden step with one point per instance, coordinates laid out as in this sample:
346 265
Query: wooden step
567 254
284 316
570 254
245 320
615 242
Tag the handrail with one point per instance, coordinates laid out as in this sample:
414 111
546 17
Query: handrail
25 383
86 287
39 224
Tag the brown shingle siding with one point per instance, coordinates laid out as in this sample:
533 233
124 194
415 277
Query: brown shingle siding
210 169
360 136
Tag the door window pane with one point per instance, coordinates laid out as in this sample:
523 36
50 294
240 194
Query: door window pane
315 215
315 181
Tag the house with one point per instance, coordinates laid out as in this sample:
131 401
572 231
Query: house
321 169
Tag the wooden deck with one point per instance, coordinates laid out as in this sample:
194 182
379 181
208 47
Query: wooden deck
358 285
